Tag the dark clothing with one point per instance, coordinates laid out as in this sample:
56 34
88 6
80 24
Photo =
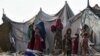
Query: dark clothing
68 44
58 39
74 46
31 43
58 35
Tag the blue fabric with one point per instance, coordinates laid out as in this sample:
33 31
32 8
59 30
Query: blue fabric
42 29
42 32
29 53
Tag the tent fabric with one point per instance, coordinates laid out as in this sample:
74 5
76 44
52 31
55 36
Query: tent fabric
76 19
65 13
19 33
43 16
5 18
68 11
96 11
5 44
93 21
97 7
90 18
19 30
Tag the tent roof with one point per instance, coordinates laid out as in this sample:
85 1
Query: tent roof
66 11
97 7
6 19
42 14
74 18
66 7
95 10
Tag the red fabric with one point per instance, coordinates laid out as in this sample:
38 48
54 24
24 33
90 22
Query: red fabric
38 43
59 24
74 46
53 28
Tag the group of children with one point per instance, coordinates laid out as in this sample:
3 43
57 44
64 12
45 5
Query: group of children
35 43
69 45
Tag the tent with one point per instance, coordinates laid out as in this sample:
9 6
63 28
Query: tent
5 29
19 30
64 14
91 17
18 33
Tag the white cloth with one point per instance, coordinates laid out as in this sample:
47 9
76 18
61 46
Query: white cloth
19 33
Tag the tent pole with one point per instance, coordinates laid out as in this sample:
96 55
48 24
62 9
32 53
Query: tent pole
3 10
88 3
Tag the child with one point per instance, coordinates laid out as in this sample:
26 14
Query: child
31 33
75 44
38 40
57 29
84 43
67 42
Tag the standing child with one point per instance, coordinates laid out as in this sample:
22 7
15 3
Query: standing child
67 42
84 43
38 45
75 44
31 33
57 29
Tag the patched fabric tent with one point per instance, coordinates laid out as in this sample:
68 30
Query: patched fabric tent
19 33
5 29
91 17
19 30
64 14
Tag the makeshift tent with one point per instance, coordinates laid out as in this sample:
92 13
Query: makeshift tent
91 17
5 44
64 14
19 30
19 33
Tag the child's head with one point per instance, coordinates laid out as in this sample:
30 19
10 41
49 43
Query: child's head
37 29
68 31
77 35
85 34
84 28
31 26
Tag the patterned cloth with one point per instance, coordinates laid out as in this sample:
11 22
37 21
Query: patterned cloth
85 44
38 45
